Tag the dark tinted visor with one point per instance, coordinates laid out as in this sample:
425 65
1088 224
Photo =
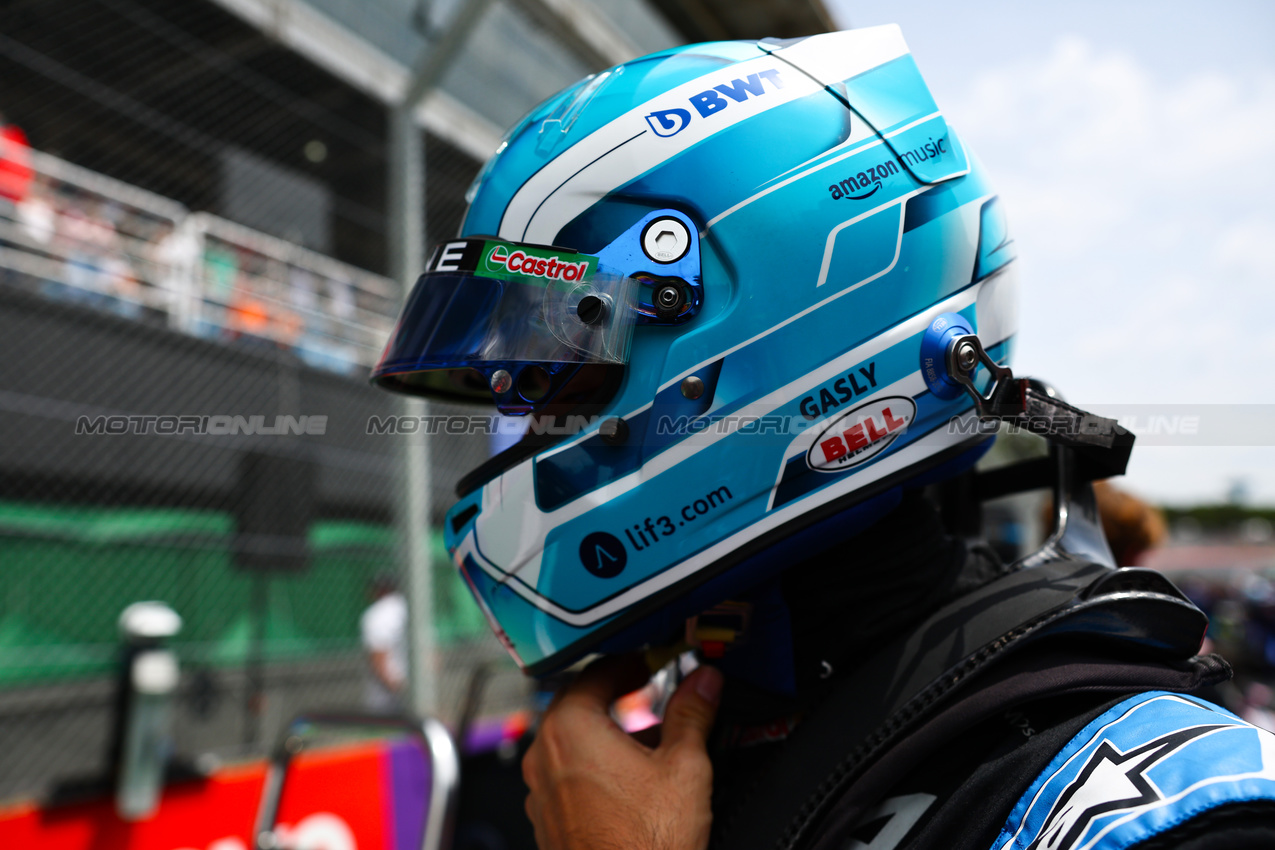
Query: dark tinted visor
492 319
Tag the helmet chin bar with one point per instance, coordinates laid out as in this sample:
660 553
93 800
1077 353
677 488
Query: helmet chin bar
1083 448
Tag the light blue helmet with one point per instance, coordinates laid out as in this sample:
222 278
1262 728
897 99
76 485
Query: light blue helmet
716 276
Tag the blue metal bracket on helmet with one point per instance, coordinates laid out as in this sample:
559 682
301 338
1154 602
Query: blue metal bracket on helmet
934 344
661 252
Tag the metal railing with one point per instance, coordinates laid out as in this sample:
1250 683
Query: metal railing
434 739
83 237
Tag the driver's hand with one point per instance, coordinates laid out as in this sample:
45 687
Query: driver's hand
593 787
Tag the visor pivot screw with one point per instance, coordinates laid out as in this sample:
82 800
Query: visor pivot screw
592 310
692 387
666 240
614 431
669 300
501 382
966 357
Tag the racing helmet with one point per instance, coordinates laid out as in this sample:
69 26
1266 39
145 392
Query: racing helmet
719 280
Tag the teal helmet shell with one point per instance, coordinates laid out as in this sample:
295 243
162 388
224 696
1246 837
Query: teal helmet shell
835 217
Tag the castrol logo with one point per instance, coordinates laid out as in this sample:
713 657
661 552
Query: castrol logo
520 262
859 435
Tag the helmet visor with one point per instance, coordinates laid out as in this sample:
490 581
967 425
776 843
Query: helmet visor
493 319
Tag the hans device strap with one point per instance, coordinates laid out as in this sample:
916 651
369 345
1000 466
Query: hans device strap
1132 611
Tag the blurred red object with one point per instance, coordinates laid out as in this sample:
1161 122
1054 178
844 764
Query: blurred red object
16 172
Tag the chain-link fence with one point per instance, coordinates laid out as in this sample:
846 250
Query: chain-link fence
192 255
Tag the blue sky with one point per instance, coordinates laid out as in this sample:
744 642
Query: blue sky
1134 144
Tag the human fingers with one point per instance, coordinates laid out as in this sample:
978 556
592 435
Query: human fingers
604 681
531 767
691 710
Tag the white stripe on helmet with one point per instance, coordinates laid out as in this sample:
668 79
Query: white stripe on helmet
654 132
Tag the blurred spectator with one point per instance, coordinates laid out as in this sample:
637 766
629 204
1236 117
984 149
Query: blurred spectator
37 217
34 223
76 236
221 267
96 271
86 238
174 252
122 285
338 355
303 290
15 162
383 628
313 341
1131 525
249 315
341 295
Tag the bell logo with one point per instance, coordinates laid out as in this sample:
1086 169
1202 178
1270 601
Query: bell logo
860 434
603 554
668 122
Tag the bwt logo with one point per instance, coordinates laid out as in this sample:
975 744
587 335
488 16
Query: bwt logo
670 122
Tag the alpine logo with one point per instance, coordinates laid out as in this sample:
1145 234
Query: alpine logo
670 122
521 262
860 434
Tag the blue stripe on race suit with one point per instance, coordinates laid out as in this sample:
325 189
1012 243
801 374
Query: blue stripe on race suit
1138 770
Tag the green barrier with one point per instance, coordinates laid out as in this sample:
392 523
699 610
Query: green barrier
67 572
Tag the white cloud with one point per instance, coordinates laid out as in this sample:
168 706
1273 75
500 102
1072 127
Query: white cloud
1248 247
1140 207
